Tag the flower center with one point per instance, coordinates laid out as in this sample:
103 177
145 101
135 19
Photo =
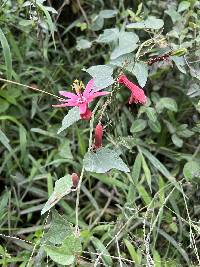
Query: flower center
81 99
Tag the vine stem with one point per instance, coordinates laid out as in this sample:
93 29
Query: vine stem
31 87
83 169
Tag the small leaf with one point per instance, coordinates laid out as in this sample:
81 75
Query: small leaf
177 141
168 103
104 160
107 260
102 75
108 13
59 229
140 71
6 54
138 126
184 5
151 114
180 63
62 188
155 126
191 170
65 254
5 141
83 44
4 105
108 36
149 23
97 23
72 117
127 44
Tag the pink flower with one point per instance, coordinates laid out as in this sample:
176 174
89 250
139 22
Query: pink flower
137 94
80 99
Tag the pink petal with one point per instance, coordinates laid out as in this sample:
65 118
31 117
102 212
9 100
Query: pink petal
97 94
88 88
68 95
87 115
68 104
82 108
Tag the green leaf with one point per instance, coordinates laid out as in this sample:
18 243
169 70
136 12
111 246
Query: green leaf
151 114
168 103
160 167
72 116
184 5
108 36
174 15
59 229
64 150
102 75
108 13
134 255
65 254
6 54
5 141
150 23
97 23
83 44
191 170
103 160
155 126
107 260
62 188
180 63
144 194
146 171
138 126
4 105
49 20
127 44
140 71
177 141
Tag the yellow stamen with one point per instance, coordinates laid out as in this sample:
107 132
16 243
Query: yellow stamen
77 86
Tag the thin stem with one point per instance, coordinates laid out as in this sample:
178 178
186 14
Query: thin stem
31 87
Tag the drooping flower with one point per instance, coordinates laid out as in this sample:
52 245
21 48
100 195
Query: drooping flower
137 94
98 135
80 99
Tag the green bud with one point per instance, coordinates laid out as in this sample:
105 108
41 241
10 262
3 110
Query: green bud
179 52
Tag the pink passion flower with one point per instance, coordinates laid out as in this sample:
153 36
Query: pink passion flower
137 94
80 99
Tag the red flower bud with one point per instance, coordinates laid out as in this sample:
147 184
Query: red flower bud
98 136
75 179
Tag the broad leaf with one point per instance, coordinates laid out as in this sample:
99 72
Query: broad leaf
103 160
155 126
59 229
168 103
108 13
72 117
102 75
177 140
191 170
66 253
184 5
108 36
149 23
127 44
138 126
83 44
62 188
140 70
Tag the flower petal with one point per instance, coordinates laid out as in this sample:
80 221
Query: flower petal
88 88
68 104
82 108
97 94
68 95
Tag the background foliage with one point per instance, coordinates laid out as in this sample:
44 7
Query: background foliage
148 217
